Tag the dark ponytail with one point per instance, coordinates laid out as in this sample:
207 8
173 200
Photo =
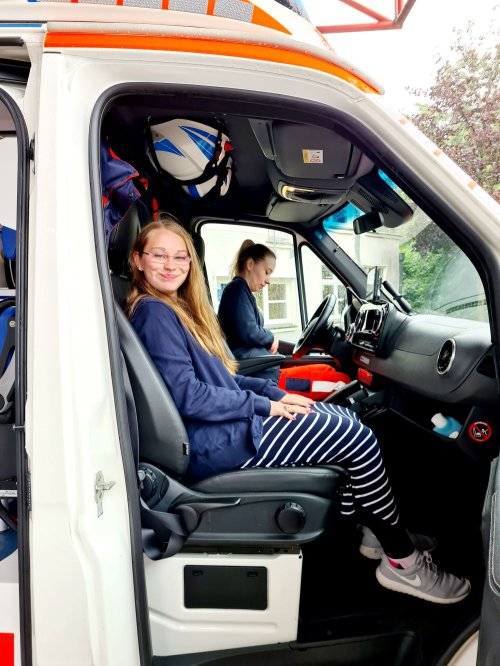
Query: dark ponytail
250 250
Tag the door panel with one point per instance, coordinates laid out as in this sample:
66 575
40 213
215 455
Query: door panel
489 645
15 627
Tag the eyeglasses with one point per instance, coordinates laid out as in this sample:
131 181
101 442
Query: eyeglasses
160 258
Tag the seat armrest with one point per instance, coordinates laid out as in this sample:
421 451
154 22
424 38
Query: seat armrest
248 366
285 347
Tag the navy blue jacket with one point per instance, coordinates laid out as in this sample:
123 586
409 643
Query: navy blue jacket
241 319
222 413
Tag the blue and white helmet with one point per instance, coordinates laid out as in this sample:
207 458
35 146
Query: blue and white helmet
195 154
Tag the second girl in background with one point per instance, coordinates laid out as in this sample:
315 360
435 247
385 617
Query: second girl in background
239 316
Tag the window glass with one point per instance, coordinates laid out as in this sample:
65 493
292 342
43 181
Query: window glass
8 197
417 258
278 302
8 372
320 282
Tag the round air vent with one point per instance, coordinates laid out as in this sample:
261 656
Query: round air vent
446 357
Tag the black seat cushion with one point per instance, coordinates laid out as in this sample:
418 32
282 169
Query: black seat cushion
319 481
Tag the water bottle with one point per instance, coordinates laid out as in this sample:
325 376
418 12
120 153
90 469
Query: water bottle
446 425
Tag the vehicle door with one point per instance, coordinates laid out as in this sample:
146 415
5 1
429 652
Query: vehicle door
15 618
489 645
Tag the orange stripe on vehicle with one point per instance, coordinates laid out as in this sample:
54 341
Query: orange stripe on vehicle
260 17
210 7
206 46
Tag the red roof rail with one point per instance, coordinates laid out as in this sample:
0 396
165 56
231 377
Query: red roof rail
401 10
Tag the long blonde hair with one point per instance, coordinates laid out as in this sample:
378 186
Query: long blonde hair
191 304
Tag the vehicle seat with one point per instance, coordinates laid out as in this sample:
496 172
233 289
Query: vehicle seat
121 241
275 507
265 507
7 358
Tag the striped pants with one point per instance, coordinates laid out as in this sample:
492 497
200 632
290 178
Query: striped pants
332 435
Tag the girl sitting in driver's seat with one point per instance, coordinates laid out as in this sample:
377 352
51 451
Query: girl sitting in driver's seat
240 318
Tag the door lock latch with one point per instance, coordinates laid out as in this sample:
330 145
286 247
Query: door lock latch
100 486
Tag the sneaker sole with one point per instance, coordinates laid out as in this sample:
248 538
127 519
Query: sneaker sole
376 553
415 592
371 553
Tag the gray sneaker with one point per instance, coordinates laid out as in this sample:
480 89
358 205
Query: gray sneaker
423 580
370 546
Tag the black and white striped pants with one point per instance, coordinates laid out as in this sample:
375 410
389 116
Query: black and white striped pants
332 434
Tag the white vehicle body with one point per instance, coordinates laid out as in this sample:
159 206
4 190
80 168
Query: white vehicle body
82 574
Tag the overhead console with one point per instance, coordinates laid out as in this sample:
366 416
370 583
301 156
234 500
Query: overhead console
309 164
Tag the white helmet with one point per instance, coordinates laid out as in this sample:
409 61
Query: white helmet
194 153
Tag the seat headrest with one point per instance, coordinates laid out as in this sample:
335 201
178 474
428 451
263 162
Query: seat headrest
199 246
121 241
163 440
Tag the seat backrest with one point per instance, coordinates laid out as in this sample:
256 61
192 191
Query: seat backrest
163 439
121 241
199 246
7 362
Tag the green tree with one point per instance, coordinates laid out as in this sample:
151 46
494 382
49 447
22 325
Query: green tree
419 274
462 111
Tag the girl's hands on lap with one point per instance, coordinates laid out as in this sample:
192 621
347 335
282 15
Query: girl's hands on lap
297 400
290 405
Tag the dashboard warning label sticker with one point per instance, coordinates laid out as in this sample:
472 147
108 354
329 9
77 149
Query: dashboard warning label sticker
311 156
480 431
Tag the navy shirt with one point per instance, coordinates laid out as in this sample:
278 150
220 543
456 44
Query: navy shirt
241 319
222 413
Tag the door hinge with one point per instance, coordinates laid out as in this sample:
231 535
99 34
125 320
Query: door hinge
100 486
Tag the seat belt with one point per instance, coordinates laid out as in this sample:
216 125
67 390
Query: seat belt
163 534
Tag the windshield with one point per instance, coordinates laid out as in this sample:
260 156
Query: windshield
296 6
420 261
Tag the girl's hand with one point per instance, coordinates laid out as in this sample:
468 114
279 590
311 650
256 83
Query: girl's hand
287 411
297 400
274 347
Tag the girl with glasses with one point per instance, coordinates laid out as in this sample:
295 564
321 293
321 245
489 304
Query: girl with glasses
238 422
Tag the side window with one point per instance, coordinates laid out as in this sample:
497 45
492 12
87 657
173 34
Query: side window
8 219
8 197
319 283
278 302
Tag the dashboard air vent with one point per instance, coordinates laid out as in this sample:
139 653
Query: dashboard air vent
487 367
446 357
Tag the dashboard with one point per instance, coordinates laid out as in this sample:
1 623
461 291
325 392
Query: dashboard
441 358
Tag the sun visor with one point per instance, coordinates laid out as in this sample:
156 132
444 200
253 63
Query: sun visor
307 152
307 164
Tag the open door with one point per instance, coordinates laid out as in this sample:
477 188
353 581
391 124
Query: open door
15 619
489 643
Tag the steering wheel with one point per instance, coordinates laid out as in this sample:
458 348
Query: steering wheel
315 329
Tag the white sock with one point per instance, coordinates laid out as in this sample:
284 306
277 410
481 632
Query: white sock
404 562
